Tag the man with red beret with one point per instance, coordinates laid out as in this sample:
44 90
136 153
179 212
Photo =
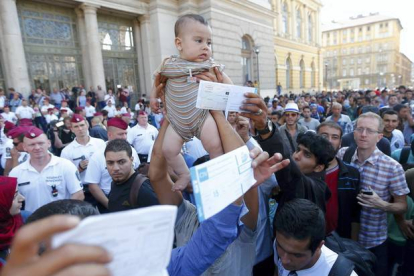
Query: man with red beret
24 111
142 136
97 174
15 153
80 150
46 105
50 116
44 178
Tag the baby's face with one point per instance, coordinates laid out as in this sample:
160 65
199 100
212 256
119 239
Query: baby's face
194 42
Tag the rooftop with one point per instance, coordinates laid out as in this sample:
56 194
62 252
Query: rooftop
357 21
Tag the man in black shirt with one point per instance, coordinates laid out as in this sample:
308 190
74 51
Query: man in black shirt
128 189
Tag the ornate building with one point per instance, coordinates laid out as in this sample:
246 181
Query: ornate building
297 45
111 43
364 52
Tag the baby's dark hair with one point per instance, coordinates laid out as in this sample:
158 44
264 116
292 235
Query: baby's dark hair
184 20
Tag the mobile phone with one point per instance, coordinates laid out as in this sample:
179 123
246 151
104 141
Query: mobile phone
367 192
59 124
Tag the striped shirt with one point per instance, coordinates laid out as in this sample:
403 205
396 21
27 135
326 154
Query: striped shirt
386 177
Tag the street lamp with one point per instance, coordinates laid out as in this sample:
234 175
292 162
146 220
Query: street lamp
257 51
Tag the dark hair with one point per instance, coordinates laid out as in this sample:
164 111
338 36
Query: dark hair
79 208
184 20
389 112
318 146
398 107
118 145
301 219
331 125
367 99
104 112
306 107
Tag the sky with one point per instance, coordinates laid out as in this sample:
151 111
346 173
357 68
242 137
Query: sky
403 9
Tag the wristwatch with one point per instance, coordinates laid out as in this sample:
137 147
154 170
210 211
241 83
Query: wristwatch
267 129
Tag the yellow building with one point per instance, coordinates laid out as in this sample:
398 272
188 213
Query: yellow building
364 52
297 45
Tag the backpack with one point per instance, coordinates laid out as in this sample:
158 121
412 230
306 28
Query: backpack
356 256
405 153
348 154
136 185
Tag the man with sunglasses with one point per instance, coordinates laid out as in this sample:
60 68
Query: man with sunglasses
291 129
383 185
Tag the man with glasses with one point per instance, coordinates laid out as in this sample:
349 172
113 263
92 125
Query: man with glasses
291 129
383 185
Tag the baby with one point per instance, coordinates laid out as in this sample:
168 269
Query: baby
193 41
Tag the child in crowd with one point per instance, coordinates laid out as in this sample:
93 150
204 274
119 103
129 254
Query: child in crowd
193 41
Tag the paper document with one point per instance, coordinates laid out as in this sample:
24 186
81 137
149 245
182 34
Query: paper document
220 181
215 96
140 241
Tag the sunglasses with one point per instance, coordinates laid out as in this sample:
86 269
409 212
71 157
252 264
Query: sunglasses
291 114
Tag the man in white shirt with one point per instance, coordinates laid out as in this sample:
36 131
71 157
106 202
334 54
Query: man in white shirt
8 115
89 111
44 178
111 109
14 150
394 135
66 107
24 111
97 176
80 150
299 244
110 97
50 116
143 136
46 105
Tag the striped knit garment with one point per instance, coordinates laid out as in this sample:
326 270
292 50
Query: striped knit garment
181 95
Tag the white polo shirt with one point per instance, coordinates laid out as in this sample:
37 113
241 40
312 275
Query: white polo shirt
68 110
90 110
51 117
7 155
397 140
143 138
46 107
97 172
75 152
58 180
195 148
25 112
111 111
11 117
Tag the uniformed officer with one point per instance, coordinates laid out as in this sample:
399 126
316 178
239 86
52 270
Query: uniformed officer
44 178
80 150
97 176
142 136
15 153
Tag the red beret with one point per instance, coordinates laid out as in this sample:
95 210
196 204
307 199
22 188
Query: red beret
63 110
17 131
46 99
8 125
79 108
118 123
142 113
97 114
25 122
33 132
50 109
126 115
76 118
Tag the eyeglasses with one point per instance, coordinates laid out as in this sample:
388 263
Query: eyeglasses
368 130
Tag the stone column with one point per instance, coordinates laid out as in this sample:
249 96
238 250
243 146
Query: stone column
138 47
293 19
18 75
279 16
305 24
84 47
94 48
147 51
317 27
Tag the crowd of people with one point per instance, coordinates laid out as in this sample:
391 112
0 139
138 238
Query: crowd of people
328 165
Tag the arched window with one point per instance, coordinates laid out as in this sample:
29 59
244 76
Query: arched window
298 24
285 21
302 74
313 75
288 73
310 29
246 59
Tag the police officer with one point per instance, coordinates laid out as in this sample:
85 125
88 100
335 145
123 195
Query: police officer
44 178
142 136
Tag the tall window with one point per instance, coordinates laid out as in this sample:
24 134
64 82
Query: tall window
246 59
310 28
285 21
298 24
115 37
313 75
288 72
302 74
